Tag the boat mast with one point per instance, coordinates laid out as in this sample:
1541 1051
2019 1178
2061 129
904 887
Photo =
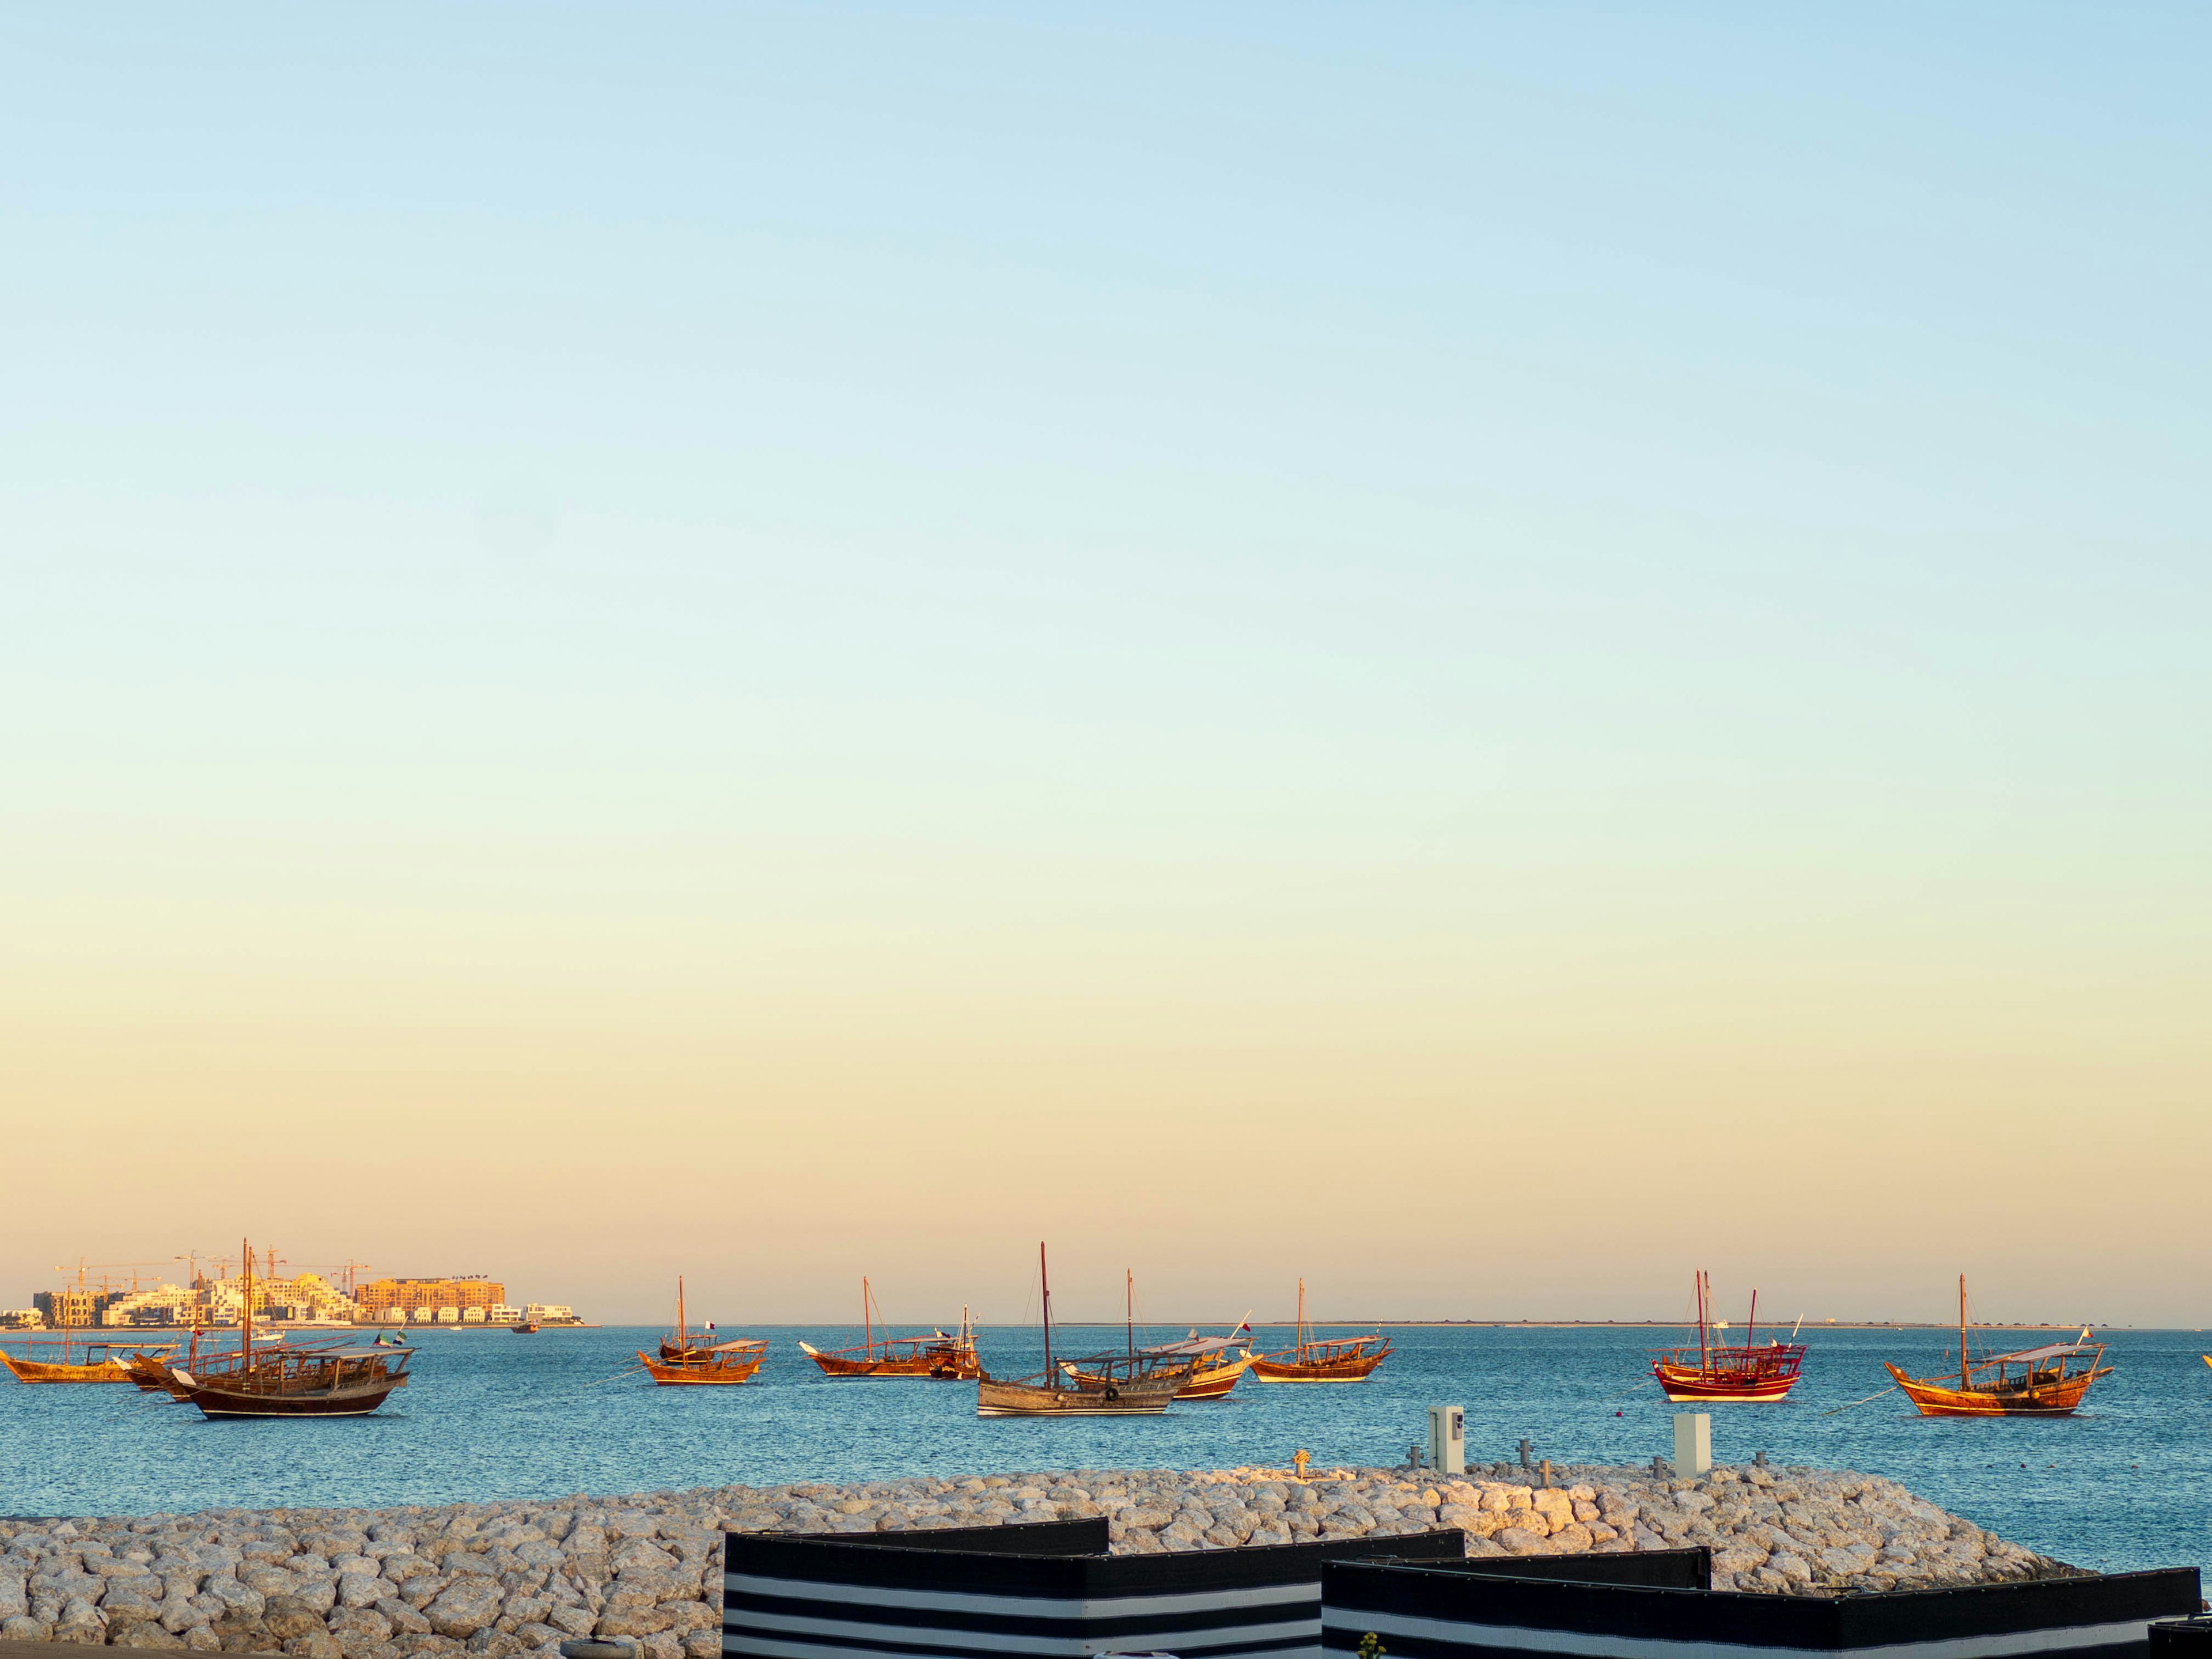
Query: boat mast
1045 1283
1704 1358
1751 1325
1129 1312
1303 1343
245 1319
682 1332
867 1327
1963 1368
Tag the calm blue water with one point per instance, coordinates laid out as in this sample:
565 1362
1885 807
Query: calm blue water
2125 1484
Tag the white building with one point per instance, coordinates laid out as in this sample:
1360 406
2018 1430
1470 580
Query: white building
550 1313
449 1316
502 1314
472 1315
164 1305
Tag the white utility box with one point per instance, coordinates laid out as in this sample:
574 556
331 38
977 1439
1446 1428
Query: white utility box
1448 1439
1693 1445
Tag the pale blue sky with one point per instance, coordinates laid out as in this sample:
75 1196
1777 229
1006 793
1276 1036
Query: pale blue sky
1358 502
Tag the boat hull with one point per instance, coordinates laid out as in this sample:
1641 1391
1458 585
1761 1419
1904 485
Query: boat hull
1693 1389
676 1374
43 1370
1214 1382
2061 1398
1208 1382
1356 1370
1140 1399
345 1402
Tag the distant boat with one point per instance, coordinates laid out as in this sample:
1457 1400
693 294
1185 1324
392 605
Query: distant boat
109 1366
1203 1367
940 1355
1335 1360
1123 1389
527 1328
2047 1384
1715 1372
683 1361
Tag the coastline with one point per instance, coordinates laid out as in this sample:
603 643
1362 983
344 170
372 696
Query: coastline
515 1577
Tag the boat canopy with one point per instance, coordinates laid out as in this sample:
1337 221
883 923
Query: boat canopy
1191 1347
2054 1351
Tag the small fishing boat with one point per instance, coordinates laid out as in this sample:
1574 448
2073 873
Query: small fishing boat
102 1362
686 1361
1335 1359
1204 1367
1717 1372
1124 1387
527 1328
941 1355
2049 1381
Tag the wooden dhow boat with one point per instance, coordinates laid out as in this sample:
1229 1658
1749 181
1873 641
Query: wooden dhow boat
293 1381
685 1361
1716 1371
297 1382
102 1362
1333 1359
1203 1367
2049 1381
1122 1388
941 1356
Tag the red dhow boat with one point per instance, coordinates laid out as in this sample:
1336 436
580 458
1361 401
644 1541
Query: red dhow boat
1714 1372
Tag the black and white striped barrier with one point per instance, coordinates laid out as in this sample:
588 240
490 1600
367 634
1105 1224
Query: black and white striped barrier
1042 1591
1473 1613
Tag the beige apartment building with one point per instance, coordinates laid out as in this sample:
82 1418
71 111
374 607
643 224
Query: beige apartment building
394 1300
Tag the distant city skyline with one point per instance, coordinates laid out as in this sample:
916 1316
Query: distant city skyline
1483 655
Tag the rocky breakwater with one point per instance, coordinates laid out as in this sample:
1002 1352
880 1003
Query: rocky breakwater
510 1578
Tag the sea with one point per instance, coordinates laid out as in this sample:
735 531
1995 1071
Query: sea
2126 1483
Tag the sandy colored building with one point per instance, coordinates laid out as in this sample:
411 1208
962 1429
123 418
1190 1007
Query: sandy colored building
397 1299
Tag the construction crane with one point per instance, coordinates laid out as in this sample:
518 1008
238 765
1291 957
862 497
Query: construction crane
84 1267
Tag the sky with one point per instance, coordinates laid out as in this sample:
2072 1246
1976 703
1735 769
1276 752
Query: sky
1484 654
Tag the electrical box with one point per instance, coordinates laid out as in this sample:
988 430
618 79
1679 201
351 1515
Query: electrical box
1448 1439
1693 1445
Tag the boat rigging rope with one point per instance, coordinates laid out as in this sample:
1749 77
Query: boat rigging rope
1856 1404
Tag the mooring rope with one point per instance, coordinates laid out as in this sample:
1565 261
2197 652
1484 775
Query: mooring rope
1856 1404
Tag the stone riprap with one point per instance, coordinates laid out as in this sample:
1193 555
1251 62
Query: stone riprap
508 1578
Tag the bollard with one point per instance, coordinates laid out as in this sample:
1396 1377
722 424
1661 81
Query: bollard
1300 1459
1693 1445
1448 1439
1547 1474
1524 1453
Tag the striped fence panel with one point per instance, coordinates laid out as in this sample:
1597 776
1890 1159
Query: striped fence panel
1418 1613
1008 1596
